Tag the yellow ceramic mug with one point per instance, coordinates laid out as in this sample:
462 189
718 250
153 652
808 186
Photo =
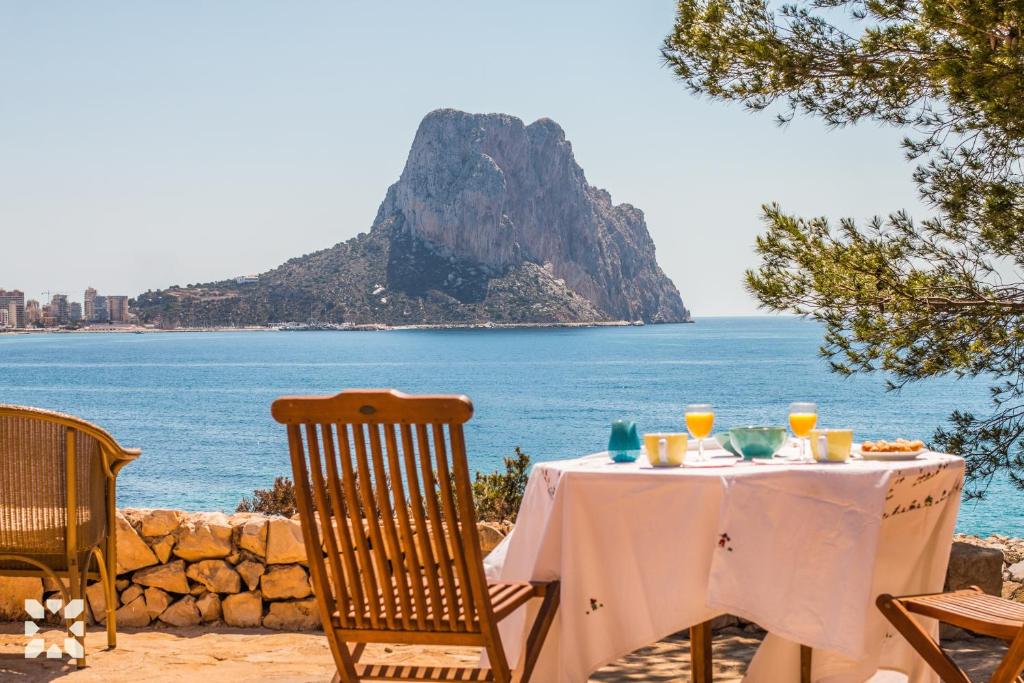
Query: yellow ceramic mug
665 450
832 445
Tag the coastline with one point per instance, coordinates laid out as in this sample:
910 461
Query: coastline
334 327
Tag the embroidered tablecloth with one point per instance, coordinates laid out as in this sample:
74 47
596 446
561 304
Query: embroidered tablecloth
802 550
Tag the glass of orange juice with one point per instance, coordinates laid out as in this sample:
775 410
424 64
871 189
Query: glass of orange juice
700 419
802 418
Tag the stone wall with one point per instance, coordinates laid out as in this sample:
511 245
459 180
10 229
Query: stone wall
177 568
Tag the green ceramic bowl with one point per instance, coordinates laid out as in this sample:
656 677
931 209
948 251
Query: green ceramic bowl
725 442
757 442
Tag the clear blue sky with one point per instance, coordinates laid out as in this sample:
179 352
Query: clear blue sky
145 144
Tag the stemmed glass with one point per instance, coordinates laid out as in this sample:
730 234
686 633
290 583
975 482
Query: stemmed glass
700 418
802 418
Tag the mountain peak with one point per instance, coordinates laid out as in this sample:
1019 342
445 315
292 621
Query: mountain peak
490 220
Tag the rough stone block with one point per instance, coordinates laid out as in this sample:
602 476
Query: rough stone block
251 572
182 613
156 602
293 615
217 575
243 609
280 583
160 522
132 551
134 614
14 591
204 537
284 542
209 605
171 577
162 548
973 565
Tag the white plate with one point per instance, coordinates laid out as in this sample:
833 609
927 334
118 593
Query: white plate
717 462
781 461
892 456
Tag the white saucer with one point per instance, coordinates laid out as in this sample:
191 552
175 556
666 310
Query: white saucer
717 462
781 461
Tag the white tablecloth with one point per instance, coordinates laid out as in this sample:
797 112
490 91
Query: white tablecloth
802 550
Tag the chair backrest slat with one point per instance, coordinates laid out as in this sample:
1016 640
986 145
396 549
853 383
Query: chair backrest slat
380 566
413 571
424 551
327 496
447 496
359 554
387 477
434 531
393 549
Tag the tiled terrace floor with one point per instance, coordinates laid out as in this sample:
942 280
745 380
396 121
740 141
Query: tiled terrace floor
225 655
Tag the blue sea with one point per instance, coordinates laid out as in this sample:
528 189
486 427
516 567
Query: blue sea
198 404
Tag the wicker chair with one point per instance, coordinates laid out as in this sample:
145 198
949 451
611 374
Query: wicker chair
403 561
57 514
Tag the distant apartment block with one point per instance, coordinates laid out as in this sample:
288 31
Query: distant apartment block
118 307
247 279
60 309
33 313
88 307
100 311
5 320
13 300
76 312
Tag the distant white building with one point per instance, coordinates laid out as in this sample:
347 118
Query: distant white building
4 318
247 279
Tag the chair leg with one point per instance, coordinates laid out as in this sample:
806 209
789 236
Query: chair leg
1012 665
920 640
701 662
806 655
77 580
539 631
109 560
107 579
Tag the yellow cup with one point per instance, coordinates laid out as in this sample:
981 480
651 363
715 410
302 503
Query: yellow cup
665 450
832 445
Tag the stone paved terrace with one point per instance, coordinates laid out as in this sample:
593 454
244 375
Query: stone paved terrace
226 655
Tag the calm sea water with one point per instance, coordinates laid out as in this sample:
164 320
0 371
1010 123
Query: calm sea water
197 404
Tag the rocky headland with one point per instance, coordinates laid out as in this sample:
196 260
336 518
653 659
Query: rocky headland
491 220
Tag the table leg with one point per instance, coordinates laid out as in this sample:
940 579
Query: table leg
700 652
805 664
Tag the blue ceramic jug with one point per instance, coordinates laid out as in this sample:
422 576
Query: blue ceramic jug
624 442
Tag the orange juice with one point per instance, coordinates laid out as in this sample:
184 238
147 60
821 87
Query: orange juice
700 424
802 423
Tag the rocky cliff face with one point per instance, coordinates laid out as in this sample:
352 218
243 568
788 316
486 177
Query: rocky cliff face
499 192
491 220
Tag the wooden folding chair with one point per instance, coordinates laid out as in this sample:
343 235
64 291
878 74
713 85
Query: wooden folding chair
970 609
388 520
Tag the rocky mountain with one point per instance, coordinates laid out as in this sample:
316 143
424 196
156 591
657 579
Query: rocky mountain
491 220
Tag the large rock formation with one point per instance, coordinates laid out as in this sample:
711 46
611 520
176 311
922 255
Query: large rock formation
491 220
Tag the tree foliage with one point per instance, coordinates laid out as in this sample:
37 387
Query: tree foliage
915 299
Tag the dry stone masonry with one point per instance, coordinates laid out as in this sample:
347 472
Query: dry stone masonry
180 569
